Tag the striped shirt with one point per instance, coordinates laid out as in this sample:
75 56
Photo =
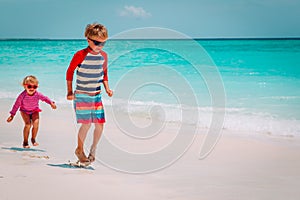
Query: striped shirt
29 104
91 70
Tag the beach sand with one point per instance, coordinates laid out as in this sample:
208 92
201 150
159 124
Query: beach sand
241 166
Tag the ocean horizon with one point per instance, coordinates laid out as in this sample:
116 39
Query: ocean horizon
191 38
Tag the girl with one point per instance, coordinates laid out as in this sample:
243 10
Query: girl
28 102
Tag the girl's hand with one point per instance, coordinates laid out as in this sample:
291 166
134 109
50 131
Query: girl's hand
10 118
53 106
109 92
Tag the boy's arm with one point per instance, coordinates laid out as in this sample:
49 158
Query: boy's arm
70 95
75 62
69 76
105 77
107 89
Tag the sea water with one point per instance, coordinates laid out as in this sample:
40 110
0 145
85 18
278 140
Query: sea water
260 79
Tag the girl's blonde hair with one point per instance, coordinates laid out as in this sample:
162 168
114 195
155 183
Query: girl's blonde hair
30 79
96 30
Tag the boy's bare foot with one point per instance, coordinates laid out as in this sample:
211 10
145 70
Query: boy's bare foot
81 156
34 143
92 155
91 158
25 145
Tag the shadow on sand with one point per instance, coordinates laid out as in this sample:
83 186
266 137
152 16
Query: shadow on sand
23 149
67 166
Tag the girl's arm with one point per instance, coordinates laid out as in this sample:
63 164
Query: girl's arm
47 100
15 107
17 104
10 118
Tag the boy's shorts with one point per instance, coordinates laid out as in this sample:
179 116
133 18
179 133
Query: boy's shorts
89 109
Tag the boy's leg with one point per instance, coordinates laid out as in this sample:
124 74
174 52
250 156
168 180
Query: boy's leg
97 135
81 138
35 127
26 130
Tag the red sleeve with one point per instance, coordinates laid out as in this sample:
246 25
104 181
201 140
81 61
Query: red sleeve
75 62
105 77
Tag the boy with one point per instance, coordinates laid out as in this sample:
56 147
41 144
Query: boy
91 65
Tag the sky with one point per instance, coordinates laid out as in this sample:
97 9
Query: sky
66 19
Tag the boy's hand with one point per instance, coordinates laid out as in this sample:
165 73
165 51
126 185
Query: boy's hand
70 96
10 118
109 92
53 106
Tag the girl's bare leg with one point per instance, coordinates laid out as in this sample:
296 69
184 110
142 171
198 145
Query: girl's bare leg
97 135
81 138
35 128
26 130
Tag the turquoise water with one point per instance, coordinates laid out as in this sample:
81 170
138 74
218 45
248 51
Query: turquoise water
261 78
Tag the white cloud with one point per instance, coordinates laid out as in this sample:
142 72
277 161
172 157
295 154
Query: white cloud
132 11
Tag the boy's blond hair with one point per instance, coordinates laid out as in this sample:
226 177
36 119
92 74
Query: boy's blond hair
96 30
30 79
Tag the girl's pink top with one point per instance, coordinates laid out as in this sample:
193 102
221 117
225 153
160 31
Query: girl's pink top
29 104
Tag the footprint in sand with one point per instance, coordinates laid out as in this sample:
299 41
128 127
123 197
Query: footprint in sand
35 156
25 152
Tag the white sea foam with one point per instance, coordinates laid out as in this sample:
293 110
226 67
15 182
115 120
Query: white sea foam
7 95
235 119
